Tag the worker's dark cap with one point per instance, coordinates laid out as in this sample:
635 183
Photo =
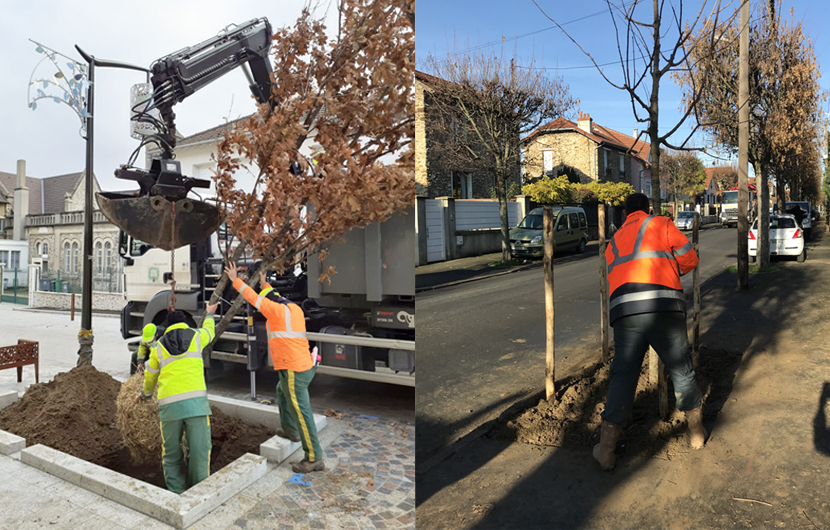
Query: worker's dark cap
274 296
174 317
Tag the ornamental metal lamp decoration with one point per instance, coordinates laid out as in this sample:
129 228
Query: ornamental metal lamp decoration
75 87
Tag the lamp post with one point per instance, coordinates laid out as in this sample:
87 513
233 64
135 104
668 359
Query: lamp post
85 338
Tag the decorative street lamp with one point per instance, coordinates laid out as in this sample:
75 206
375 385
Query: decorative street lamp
78 91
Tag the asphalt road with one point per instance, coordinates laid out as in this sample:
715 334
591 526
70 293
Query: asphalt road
481 345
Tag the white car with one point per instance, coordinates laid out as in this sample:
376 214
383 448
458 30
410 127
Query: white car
685 220
786 238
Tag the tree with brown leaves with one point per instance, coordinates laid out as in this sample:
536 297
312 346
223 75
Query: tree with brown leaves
480 110
644 63
352 98
784 98
682 174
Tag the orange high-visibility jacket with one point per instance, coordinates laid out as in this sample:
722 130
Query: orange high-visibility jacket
287 342
643 260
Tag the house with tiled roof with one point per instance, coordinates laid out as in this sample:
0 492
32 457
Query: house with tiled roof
437 179
589 151
45 215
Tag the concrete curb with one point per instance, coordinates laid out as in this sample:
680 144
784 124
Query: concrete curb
179 511
482 277
7 398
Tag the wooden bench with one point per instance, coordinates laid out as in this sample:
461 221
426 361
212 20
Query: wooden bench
25 352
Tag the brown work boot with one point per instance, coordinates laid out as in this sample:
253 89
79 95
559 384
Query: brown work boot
291 435
698 433
604 450
307 467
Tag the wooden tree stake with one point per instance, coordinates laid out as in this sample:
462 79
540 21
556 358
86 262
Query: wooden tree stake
550 358
603 284
696 281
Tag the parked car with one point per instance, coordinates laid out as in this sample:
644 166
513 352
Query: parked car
786 238
570 231
803 215
685 220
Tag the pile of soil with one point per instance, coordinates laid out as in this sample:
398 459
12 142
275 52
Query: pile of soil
573 418
76 413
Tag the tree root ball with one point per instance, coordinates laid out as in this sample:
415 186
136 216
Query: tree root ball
139 422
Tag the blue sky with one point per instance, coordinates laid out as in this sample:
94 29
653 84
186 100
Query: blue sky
493 26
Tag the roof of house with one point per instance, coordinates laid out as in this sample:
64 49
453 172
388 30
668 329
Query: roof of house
46 195
214 133
599 134
712 171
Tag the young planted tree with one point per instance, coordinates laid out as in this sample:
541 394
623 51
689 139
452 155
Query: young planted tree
481 107
784 95
682 174
352 98
644 62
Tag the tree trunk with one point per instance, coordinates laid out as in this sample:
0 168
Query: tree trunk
653 113
501 193
761 176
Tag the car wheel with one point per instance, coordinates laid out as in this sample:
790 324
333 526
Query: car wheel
801 257
581 248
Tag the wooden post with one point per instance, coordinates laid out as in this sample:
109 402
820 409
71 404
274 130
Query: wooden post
603 284
663 389
696 282
72 307
550 358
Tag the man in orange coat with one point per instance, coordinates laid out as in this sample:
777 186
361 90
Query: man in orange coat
647 306
288 348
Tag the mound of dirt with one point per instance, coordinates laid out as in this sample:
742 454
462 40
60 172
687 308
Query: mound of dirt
573 418
76 413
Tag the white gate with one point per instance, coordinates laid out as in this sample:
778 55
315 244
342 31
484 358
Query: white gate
434 210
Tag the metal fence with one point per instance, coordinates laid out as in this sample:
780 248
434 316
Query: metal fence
15 286
108 280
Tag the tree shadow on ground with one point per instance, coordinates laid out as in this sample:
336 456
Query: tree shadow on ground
527 486
821 431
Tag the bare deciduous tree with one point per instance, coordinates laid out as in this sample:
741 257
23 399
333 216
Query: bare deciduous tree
644 64
480 108
682 174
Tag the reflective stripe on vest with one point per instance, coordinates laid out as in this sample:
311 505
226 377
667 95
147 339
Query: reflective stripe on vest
259 300
647 295
181 397
153 370
288 333
637 253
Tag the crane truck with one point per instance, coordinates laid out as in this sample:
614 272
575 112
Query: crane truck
363 320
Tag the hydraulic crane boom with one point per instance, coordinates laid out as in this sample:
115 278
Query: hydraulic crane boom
159 212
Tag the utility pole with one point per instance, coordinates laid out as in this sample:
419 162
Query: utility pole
743 151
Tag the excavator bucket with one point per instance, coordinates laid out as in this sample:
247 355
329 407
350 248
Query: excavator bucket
149 218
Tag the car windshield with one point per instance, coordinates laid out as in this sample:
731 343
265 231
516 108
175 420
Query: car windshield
777 222
730 196
685 214
534 219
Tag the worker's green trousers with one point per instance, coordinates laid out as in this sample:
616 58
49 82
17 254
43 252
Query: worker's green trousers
197 433
295 410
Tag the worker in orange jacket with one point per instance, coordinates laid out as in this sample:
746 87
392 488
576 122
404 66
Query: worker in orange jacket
647 306
289 351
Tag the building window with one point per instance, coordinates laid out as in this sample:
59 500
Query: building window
4 258
648 188
605 158
45 250
99 257
108 256
622 166
67 261
462 185
37 252
548 161
75 262
15 264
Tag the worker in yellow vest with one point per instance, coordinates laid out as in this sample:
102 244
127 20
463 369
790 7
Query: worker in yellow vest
176 365
289 351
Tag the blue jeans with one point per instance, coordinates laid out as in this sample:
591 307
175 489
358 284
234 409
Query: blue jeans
666 333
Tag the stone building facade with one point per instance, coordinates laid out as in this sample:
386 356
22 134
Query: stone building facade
53 221
435 179
596 153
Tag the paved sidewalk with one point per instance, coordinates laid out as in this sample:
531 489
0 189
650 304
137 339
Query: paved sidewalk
369 482
766 464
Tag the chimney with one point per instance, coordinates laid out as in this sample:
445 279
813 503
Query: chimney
67 202
636 133
21 203
585 122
